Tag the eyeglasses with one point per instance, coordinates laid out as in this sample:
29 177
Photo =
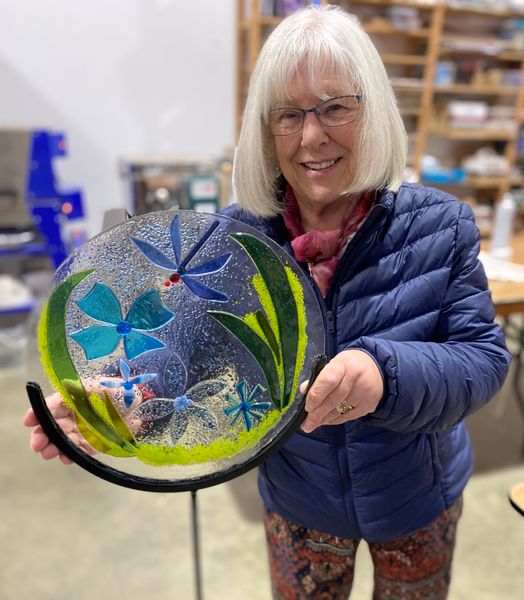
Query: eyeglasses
334 112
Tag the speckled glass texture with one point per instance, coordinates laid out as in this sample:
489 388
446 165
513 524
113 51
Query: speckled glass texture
179 340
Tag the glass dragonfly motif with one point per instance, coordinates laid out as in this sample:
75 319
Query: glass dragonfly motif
171 416
180 272
127 383
147 313
246 406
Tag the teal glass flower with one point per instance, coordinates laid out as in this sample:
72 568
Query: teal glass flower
147 313
247 407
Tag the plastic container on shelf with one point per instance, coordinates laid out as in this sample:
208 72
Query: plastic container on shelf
486 162
467 114
404 17
433 171
483 218
445 73
445 175
503 227
283 8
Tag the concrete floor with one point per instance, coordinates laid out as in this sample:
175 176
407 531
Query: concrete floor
66 534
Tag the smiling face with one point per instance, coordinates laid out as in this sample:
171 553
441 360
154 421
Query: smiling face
318 161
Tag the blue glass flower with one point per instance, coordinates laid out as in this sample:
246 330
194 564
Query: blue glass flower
146 314
159 415
128 383
178 267
246 407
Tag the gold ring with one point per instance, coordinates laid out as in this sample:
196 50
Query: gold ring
344 407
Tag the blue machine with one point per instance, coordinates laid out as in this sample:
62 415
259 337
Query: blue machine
34 233
49 203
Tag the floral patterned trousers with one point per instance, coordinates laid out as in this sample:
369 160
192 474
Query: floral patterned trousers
305 563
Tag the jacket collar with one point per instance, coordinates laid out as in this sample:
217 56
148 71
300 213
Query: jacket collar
275 228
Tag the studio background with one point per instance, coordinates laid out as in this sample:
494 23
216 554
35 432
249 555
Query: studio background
139 77
124 77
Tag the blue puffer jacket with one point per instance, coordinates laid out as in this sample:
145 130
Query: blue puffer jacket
410 291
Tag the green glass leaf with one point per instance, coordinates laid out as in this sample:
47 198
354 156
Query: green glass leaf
276 280
119 424
251 320
256 346
64 369
269 333
99 405
267 304
298 294
96 442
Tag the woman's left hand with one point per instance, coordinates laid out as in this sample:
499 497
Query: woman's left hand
348 387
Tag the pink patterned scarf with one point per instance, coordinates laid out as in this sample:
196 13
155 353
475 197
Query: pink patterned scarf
322 249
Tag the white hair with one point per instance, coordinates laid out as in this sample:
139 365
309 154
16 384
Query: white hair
319 40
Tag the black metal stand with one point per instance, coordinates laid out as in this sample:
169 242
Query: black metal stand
196 546
91 464
318 364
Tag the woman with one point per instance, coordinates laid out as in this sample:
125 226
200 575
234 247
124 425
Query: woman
383 454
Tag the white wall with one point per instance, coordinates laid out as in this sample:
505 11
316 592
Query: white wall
120 77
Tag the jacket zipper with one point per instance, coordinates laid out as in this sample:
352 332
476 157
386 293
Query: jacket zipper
331 341
437 467
364 231
328 306
332 297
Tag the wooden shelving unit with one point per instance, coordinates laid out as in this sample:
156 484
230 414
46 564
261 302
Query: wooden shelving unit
252 28
404 59
384 29
444 33
467 89
474 134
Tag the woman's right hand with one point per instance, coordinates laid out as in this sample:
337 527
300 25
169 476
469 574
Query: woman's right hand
65 419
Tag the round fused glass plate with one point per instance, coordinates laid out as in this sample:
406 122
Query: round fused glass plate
178 341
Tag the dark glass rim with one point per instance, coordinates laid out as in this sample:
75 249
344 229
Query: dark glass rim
148 484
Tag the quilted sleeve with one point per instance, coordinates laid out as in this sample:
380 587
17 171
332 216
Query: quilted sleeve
431 386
